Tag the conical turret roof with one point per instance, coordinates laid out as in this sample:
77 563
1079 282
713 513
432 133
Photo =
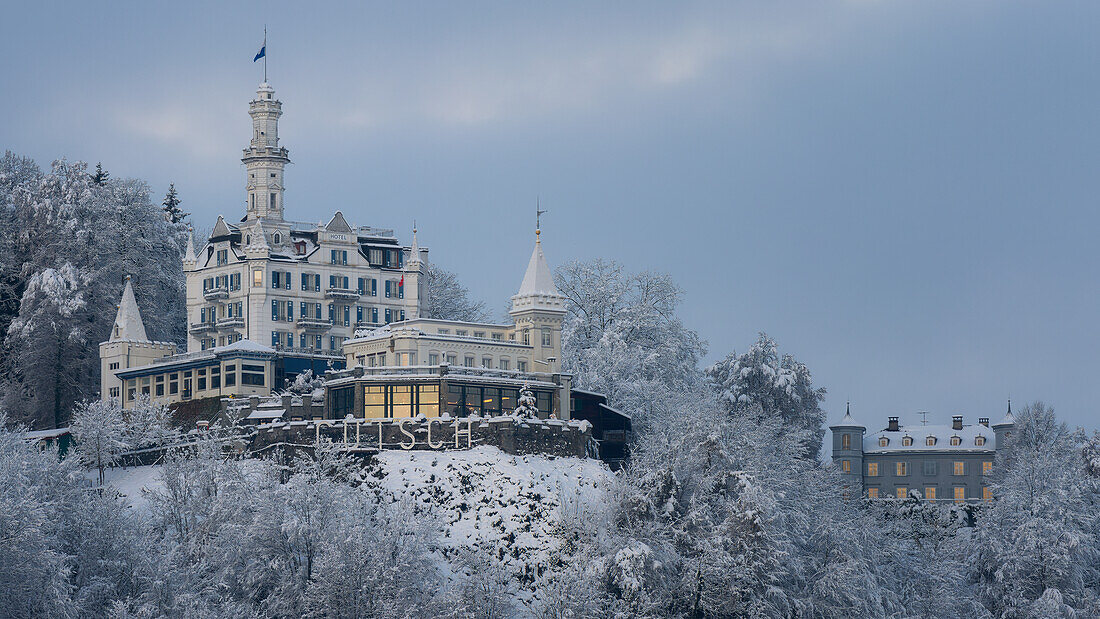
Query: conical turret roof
538 280
128 324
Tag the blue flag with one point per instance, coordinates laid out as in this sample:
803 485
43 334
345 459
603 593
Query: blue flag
263 52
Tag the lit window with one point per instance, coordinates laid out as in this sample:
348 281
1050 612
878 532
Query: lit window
960 494
883 442
930 493
907 441
902 469
902 492
987 493
987 468
846 466
958 468
872 493
872 469
845 441
979 440
956 440
930 441
257 278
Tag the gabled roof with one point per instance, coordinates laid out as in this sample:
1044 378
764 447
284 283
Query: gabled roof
538 280
128 324
220 228
338 224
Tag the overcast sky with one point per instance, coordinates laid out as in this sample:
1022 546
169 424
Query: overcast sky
904 195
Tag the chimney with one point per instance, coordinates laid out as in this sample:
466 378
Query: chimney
957 422
893 425
984 421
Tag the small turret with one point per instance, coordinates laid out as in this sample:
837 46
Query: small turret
127 346
539 309
256 242
1003 428
848 449
189 259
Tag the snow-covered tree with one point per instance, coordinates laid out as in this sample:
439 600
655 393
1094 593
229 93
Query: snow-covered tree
622 337
306 384
100 433
1035 550
148 422
171 206
760 383
448 299
527 406
68 245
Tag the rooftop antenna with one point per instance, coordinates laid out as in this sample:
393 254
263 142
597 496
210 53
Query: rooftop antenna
924 418
538 216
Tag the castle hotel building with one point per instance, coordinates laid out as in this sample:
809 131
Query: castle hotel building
268 298
935 462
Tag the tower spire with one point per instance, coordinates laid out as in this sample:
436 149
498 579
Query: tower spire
538 217
264 159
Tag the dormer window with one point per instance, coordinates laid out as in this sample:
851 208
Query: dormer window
979 440
930 441
883 442
248 239
955 440
278 238
906 441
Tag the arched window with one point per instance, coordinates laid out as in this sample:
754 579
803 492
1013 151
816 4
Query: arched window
979 440
955 440
930 441
278 238
906 441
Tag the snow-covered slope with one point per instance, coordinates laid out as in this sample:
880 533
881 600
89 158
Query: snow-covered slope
491 502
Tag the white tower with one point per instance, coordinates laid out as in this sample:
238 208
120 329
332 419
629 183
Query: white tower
539 309
264 159
127 347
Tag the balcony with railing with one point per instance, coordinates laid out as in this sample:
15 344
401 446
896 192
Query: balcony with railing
314 324
228 324
217 292
201 327
349 294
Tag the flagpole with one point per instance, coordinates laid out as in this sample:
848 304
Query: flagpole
265 53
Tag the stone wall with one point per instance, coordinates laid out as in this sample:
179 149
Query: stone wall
511 435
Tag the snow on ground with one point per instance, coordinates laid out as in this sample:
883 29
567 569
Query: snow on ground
486 500
131 482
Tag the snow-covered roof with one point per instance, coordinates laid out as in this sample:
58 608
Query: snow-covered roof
128 324
267 413
243 345
37 435
538 279
919 434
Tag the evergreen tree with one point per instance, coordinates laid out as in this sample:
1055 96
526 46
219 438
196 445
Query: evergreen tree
172 209
527 406
762 384
101 176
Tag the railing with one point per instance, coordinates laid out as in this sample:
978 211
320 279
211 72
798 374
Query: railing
201 327
219 292
315 324
341 293
312 352
230 323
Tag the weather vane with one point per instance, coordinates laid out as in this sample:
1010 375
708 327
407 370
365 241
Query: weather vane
538 215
